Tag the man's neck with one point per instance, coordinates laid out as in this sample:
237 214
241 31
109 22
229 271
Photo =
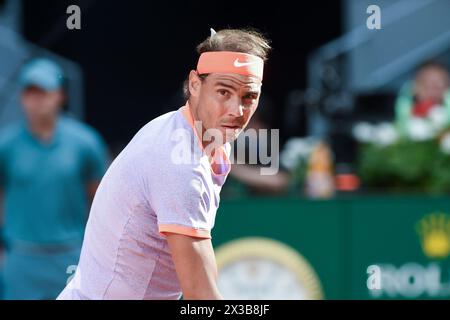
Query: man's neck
208 144
205 140
43 129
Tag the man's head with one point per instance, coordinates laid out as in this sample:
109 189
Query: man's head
431 82
226 98
42 89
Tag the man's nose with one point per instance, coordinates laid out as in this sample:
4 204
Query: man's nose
236 109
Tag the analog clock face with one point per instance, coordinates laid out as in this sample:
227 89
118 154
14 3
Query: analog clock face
266 269
260 278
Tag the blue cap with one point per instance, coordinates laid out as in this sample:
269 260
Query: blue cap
42 73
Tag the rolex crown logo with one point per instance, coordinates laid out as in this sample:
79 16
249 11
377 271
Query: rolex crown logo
434 232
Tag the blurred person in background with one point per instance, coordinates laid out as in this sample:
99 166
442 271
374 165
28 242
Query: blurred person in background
429 92
50 167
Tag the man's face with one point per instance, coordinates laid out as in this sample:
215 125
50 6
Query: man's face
226 102
40 104
431 84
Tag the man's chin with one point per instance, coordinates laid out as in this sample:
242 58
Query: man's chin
223 135
37 116
231 135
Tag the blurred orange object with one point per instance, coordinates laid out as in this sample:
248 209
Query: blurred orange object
347 182
319 178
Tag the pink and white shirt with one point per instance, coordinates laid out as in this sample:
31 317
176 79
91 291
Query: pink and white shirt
161 182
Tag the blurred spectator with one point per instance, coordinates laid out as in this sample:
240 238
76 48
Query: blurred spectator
428 92
319 182
50 167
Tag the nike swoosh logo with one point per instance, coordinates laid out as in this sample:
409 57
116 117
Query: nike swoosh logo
238 64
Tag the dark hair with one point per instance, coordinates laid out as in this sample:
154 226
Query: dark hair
432 64
247 41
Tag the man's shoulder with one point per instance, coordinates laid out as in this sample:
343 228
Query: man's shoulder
166 121
153 142
167 145
10 133
77 130
158 134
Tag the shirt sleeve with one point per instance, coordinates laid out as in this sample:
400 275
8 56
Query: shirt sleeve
181 202
97 158
2 186
2 167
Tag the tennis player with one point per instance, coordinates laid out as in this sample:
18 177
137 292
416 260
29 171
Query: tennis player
149 229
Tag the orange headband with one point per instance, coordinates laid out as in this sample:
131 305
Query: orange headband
230 62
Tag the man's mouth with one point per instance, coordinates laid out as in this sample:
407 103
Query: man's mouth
232 127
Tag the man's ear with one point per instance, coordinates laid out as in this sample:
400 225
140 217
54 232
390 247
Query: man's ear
62 98
194 83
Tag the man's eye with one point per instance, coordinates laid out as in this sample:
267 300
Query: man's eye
223 92
251 96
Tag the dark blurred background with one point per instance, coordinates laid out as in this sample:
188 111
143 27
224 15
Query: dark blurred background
136 54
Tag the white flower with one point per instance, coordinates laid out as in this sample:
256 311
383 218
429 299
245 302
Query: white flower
296 150
385 134
289 158
420 129
363 132
445 143
438 117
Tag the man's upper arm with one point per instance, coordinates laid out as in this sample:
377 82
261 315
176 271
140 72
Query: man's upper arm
180 199
3 169
96 162
2 186
2 166
2 183
181 202
97 158
1 217
195 265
